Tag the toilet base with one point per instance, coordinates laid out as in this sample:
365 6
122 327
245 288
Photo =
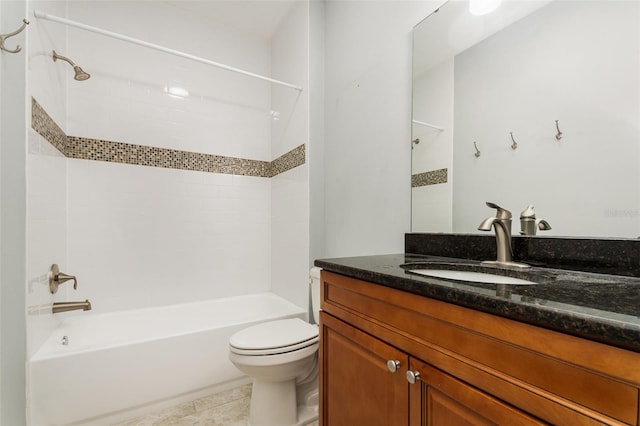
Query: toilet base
274 404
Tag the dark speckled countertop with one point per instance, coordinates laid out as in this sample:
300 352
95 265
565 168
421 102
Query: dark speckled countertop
600 307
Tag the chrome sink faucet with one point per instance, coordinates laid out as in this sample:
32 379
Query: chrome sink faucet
501 222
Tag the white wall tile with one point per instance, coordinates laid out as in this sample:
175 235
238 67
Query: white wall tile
144 236
290 235
290 190
168 235
46 175
290 63
225 113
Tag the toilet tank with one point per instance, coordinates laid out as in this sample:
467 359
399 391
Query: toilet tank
314 282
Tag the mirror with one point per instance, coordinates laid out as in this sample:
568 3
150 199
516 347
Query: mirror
536 103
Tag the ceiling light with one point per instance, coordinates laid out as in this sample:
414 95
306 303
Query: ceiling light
482 7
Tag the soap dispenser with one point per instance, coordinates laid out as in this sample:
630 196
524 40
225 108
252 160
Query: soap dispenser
528 223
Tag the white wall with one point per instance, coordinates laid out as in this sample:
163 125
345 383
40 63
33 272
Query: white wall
368 132
588 182
143 236
290 190
13 117
315 153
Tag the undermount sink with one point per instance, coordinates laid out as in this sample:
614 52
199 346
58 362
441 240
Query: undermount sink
471 276
476 272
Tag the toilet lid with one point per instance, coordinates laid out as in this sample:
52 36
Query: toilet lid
271 335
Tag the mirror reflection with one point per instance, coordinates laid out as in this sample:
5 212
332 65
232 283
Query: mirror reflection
534 106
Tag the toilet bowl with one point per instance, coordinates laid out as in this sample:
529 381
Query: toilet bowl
282 359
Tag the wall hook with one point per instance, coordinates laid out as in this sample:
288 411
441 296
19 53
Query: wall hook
415 141
559 134
3 37
514 145
477 154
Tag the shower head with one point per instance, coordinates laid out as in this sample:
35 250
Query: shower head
80 75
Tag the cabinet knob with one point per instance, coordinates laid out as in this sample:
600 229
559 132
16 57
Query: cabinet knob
413 376
393 365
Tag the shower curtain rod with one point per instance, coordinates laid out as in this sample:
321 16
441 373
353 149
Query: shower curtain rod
42 15
422 123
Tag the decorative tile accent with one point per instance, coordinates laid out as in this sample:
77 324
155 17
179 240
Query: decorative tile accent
288 161
42 123
120 152
431 177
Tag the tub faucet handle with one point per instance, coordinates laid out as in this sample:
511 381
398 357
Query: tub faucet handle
56 278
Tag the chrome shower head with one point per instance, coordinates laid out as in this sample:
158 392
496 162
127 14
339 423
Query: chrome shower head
80 74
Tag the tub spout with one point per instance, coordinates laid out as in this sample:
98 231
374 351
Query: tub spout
71 306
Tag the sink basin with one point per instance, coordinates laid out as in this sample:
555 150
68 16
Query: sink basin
471 276
476 272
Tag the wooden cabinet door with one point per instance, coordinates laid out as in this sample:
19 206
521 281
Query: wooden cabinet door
438 399
356 384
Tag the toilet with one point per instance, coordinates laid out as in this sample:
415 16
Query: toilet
282 359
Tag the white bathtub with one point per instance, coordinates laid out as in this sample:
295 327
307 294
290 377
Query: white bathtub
122 363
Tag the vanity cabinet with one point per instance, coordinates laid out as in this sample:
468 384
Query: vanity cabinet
472 368
365 382
358 386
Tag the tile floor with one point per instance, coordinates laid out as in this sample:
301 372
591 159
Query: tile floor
230 408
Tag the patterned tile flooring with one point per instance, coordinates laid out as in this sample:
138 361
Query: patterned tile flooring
230 408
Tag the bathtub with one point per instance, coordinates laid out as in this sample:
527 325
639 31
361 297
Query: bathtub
123 364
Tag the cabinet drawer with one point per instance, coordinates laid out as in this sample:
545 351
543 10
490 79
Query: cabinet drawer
518 363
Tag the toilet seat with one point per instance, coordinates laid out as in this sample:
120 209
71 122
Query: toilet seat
274 337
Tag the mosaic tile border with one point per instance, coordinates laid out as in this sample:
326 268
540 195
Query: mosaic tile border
141 155
432 177
42 123
288 161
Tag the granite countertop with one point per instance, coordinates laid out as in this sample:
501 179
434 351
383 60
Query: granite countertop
599 307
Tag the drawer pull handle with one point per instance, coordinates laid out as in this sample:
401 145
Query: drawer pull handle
393 365
413 376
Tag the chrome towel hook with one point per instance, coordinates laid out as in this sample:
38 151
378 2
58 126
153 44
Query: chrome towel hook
559 134
477 154
4 37
514 145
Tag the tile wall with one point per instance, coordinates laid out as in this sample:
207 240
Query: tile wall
290 190
205 221
140 155
46 176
